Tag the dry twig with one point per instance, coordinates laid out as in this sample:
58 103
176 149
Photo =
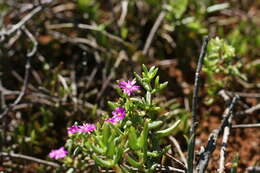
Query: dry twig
195 104
177 146
121 20
22 93
25 157
224 144
153 31
87 27
250 110
206 155
5 32
246 125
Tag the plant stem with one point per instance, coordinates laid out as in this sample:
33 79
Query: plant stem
194 105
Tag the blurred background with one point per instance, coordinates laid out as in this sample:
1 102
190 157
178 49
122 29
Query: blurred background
60 62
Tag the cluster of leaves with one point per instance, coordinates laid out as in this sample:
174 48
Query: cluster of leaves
131 144
221 66
70 77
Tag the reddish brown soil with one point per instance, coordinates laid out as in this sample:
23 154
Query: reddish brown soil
245 142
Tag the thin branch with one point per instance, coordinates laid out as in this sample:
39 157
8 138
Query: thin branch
250 110
206 155
76 40
195 104
224 144
253 169
34 41
27 72
22 93
21 156
159 168
121 20
248 85
246 125
178 148
226 96
176 160
25 19
153 31
243 94
87 27
168 169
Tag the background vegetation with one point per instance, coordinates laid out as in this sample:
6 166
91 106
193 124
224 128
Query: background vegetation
74 52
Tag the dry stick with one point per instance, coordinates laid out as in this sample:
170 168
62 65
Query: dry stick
153 31
242 94
110 76
177 146
19 25
76 40
224 144
194 105
250 110
159 168
206 155
121 20
27 72
22 93
168 169
228 94
34 41
248 85
87 27
226 134
246 125
253 169
21 156
176 160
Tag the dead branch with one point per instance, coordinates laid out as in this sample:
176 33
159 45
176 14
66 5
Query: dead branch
76 40
22 93
243 94
25 157
224 144
121 20
178 148
6 32
253 169
195 104
33 39
246 125
226 96
250 110
87 27
176 160
206 155
153 31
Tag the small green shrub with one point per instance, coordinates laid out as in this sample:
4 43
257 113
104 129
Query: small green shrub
131 140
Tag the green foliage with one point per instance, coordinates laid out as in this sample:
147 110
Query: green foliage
73 70
220 66
177 7
136 141
235 163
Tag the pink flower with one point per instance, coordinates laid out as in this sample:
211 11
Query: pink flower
73 129
118 115
119 112
87 128
128 87
58 154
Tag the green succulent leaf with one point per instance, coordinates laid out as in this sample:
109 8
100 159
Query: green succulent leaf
132 139
168 131
133 162
104 163
155 124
